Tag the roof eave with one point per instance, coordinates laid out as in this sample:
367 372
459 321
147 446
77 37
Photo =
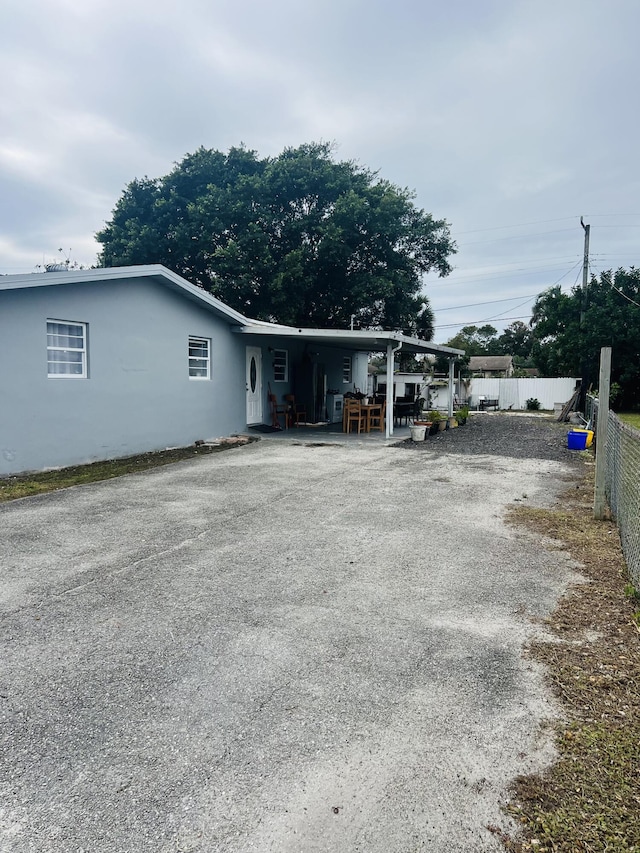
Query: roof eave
153 271
363 340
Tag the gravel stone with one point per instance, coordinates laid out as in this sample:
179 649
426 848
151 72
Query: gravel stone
514 435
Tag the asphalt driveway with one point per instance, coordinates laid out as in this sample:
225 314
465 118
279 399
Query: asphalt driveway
280 647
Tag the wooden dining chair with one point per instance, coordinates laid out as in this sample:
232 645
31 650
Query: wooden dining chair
278 409
355 416
297 414
376 416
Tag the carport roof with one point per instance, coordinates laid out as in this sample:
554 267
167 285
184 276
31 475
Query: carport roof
357 340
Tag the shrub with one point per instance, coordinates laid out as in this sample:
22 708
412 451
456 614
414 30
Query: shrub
533 404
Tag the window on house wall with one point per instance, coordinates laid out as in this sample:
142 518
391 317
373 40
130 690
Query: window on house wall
280 365
66 350
199 358
346 369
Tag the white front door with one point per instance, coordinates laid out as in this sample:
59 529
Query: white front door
254 385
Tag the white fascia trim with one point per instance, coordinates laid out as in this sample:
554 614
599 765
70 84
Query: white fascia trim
45 279
367 337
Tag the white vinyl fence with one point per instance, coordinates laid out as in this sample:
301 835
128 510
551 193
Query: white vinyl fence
514 393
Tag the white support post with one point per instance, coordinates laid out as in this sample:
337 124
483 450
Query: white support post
451 387
601 435
389 417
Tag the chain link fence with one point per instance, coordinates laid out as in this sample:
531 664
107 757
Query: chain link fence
622 485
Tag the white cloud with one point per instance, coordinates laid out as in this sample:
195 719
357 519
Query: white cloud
497 113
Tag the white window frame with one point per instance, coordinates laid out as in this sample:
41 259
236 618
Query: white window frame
197 362
347 369
82 349
283 364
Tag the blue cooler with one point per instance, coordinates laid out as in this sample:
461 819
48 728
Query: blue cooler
577 440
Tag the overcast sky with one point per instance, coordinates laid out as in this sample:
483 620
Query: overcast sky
508 118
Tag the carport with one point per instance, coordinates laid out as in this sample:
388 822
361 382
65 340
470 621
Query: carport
369 341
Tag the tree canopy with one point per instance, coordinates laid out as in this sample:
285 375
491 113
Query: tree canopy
298 238
476 340
611 318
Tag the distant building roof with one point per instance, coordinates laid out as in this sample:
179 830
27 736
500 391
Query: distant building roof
490 362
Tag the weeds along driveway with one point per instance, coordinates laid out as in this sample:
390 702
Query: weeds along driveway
276 648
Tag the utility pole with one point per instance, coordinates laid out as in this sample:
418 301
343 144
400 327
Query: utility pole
584 361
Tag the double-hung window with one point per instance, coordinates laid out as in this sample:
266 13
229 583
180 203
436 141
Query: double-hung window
199 358
280 365
346 368
66 350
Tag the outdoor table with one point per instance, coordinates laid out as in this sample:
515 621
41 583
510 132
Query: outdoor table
367 409
403 410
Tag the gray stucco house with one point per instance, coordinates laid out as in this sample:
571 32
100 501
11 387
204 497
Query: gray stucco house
98 364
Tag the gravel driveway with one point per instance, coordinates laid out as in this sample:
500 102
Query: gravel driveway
279 648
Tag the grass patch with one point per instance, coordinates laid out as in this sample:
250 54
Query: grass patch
25 485
589 800
631 418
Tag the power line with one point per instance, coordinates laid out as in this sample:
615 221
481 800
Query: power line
489 302
518 273
475 322
520 261
515 307
518 225
526 269
617 290
488 319
518 237
545 222
577 277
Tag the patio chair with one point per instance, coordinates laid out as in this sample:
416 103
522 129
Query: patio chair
354 416
297 414
278 409
376 416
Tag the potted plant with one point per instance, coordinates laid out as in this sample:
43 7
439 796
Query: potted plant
436 420
461 415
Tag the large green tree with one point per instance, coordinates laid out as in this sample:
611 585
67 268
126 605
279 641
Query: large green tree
297 238
516 340
476 340
610 317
